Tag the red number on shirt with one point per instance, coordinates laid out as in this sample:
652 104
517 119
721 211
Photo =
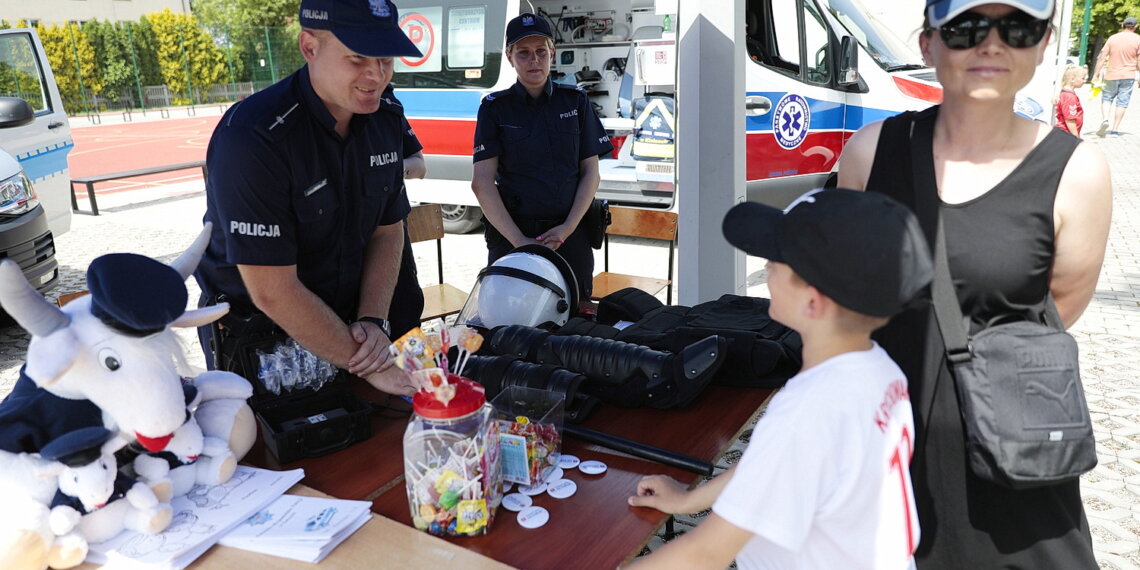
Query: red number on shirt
900 463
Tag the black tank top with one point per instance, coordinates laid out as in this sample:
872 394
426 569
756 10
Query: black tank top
1000 249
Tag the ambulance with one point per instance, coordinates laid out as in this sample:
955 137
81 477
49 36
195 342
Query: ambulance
816 71
35 138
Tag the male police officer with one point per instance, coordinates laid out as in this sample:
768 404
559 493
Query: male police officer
305 191
536 156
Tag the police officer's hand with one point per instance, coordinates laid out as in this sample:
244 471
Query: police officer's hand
373 354
554 237
393 380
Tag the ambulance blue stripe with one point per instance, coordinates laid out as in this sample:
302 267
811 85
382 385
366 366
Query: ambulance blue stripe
443 104
47 161
825 115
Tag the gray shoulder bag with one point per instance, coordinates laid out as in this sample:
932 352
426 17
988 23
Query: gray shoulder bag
1018 383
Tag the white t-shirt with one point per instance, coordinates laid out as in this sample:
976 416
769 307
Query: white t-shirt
825 481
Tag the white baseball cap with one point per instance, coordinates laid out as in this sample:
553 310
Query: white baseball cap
941 11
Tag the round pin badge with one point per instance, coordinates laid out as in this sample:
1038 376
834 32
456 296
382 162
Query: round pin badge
507 486
568 461
516 502
533 517
561 489
592 467
555 474
536 489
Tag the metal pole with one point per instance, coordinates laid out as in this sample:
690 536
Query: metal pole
135 63
186 64
269 48
230 61
1085 31
78 71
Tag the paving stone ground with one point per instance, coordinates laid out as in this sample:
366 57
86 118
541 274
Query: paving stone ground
162 224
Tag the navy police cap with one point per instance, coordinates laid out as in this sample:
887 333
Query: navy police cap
526 25
77 448
135 294
370 28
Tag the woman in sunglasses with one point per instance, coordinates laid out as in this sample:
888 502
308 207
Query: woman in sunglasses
1025 210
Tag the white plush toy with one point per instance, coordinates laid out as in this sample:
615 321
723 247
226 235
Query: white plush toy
95 500
109 359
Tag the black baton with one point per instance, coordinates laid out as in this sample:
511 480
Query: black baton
637 449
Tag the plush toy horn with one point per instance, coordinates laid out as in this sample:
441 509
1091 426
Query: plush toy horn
26 305
188 261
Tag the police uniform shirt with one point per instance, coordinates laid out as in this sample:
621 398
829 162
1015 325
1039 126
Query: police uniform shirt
285 189
539 143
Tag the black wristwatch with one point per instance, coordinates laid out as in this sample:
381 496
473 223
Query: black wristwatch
382 323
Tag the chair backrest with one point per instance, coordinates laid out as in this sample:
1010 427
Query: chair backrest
425 222
635 222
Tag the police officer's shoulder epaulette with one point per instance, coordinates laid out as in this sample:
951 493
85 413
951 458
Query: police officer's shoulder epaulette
391 103
496 95
266 112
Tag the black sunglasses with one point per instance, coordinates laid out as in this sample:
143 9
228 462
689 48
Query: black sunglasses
1017 30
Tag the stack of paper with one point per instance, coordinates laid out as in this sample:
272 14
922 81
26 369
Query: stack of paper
201 517
301 528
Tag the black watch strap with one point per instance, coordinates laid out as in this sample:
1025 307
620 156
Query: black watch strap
382 323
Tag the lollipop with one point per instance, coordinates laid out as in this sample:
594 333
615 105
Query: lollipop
468 341
412 351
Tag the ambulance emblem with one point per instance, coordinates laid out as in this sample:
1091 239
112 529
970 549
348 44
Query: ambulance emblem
791 121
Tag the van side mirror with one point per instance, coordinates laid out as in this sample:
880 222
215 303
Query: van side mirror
15 112
848 62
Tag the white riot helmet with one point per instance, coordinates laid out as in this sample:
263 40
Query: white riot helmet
532 285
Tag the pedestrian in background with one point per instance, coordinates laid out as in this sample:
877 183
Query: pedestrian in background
536 157
1025 210
1116 67
1070 112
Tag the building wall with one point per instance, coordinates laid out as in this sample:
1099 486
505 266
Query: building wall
63 11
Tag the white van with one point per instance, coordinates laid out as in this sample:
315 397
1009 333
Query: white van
35 138
817 70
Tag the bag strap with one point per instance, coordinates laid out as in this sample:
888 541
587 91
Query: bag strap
947 311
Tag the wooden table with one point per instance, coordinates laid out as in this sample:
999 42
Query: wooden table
595 528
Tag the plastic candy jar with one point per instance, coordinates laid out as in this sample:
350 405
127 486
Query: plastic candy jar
451 461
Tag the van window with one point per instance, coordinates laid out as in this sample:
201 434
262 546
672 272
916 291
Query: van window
462 44
20 72
818 42
773 38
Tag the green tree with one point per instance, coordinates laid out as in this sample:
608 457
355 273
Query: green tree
188 58
256 33
1104 20
73 61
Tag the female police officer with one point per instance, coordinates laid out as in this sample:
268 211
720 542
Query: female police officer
536 156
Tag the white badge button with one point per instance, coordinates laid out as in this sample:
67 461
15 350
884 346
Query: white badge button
536 489
568 461
533 517
592 467
561 489
516 502
507 486
555 474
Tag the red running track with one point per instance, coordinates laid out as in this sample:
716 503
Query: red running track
103 149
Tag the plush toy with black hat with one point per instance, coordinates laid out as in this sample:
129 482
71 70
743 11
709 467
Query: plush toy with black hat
109 359
96 500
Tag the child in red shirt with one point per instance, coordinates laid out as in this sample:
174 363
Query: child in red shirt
1070 113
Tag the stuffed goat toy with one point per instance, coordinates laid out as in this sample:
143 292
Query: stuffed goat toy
109 359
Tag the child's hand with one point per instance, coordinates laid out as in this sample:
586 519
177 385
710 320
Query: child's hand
662 493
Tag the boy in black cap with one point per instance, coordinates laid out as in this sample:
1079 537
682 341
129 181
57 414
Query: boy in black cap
824 482
536 156
305 191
